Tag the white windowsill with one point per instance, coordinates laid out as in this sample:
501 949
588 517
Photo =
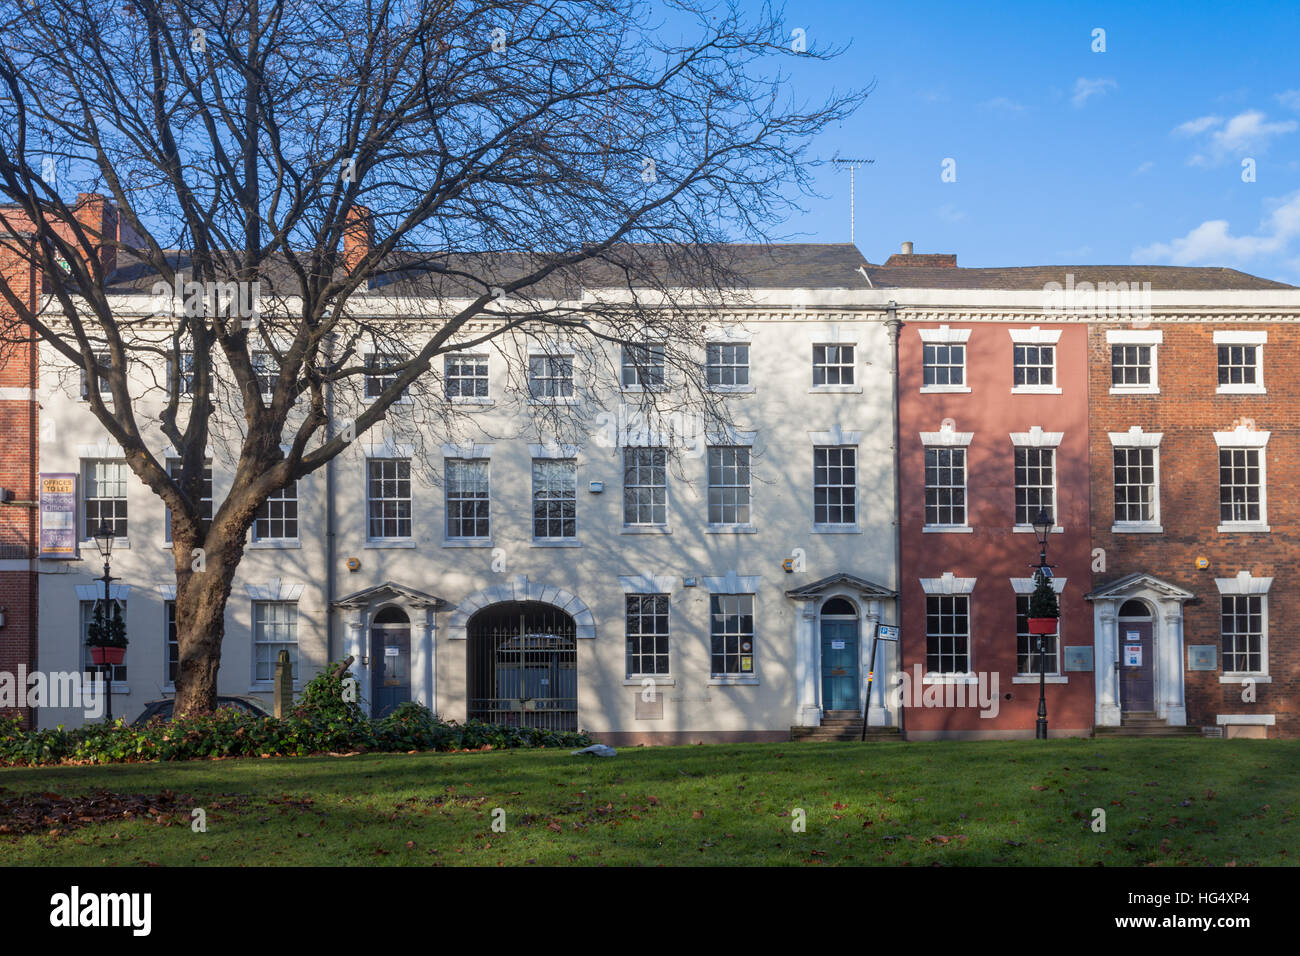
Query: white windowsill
646 529
555 543
1035 390
944 389
559 400
1135 390
89 544
1240 390
659 681
1245 527
731 389
1033 679
1137 527
950 679
836 529
836 389
467 542
947 529
1029 529
643 389
276 544
1250 720
383 543
730 681
1242 678
730 529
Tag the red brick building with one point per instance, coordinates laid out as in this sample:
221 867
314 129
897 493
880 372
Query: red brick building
993 427
1196 510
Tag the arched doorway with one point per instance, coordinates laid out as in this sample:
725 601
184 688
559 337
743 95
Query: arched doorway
839 639
390 648
523 666
1136 654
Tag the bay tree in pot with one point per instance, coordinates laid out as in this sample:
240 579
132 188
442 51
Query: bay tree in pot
106 636
1044 609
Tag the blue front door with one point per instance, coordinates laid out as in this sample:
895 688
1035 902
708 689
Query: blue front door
840 665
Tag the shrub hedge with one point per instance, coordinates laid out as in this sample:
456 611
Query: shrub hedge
323 721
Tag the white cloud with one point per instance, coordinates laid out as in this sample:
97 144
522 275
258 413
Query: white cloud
950 213
1247 132
1289 98
1084 88
1144 168
1198 125
1211 243
1001 103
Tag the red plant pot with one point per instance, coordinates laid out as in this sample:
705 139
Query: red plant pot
1042 625
107 655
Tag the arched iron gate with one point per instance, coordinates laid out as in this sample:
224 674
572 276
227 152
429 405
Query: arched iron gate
523 666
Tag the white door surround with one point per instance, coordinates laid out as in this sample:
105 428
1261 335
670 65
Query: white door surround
1165 601
360 609
869 599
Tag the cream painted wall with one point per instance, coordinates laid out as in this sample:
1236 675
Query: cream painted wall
782 410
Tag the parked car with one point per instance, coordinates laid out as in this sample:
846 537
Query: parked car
163 708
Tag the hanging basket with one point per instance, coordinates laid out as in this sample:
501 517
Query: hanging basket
107 655
1042 625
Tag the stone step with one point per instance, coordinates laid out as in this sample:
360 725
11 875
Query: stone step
835 733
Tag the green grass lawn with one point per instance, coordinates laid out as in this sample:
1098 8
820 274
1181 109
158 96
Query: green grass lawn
1168 802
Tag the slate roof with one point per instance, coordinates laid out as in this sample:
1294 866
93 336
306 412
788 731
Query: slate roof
775 266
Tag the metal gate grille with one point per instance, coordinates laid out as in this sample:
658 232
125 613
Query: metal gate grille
523 666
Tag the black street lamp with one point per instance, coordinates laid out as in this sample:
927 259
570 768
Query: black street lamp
104 542
1042 528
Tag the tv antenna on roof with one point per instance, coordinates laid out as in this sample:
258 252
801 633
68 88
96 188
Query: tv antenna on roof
853 164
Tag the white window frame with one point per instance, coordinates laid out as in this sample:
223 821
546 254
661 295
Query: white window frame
1037 438
1149 337
1039 338
554 458
87 533
483 358
1256 340
1243 438
466 540
721 527
398 539
273 542
1135 437
105 358
558 351
946 335
747 345
834 527
369 357
1024 587
169 623
1245 584
651 527
268 375
657 353
638 676
949 585
947 437
179 373
295 645
854 387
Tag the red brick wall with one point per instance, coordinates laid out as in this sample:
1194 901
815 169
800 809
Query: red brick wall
993 553
1187 412
19 421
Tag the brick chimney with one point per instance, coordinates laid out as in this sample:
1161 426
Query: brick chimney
98 218
931 260
358 236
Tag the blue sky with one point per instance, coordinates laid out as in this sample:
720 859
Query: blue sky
1064 155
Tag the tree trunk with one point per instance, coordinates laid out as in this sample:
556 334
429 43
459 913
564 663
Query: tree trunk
201 598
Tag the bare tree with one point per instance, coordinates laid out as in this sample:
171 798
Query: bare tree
386 178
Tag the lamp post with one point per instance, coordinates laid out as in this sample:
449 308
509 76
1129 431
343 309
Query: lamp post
1042 528
104 542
